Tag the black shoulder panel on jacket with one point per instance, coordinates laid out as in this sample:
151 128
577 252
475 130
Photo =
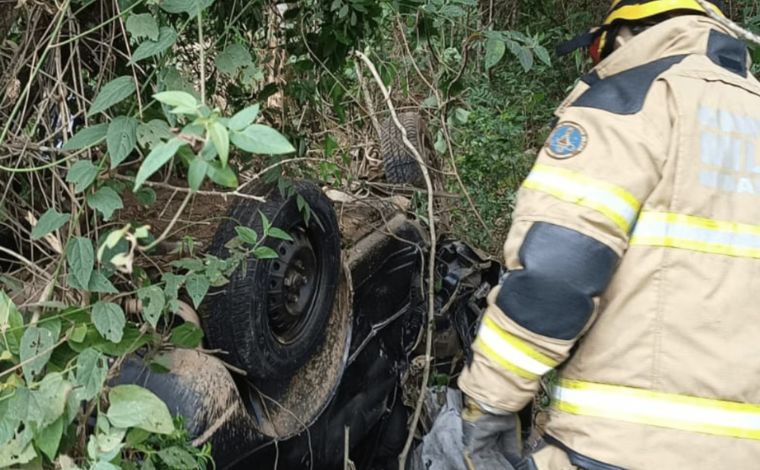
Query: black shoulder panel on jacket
590 78
625 92
728 52
563 270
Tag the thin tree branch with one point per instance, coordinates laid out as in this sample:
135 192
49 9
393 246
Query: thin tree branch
728 23
431 256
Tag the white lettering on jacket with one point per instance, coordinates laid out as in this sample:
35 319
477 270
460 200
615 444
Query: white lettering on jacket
728 151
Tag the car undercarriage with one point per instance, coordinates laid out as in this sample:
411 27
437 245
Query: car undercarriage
348 396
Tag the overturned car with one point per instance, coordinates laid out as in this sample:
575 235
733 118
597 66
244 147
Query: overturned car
309 359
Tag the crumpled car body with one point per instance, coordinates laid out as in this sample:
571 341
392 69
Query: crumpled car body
352 390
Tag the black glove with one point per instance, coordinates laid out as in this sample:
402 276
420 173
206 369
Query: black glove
491 441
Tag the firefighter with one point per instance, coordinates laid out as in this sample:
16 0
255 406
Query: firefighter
634 262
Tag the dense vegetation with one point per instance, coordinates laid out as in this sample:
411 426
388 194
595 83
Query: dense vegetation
115 115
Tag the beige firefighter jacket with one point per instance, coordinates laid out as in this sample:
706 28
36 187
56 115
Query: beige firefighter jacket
650 182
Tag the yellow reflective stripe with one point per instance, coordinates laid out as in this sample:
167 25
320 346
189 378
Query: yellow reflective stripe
700 234
616 203
654 8
718 417
505 364
510 352
519 344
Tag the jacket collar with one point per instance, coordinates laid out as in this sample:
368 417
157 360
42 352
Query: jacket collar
688 34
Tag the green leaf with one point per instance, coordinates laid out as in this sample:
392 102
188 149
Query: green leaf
244 118
9 419
223 176
178 99
525 56
197 173
264 252
177 457
171 289
262 140
92 369
36 349
441 146
13 410
197 287
52 324
279 234
132 340
48 402
11 324
252 75
452 11
86 138
145 196
221 139
19 404
82 174
18 451
461 115
191 7
135 407
137 436
49 439
78 333
166 39
233 59
543 55
81 259
247 235
190 264
153 303
7 308
105 201
143 26
495 50
330 146
112 93
112 240
121 139
266 224
103 465
157 158
50 221
99 283
105 445
187 335
153 133
109 320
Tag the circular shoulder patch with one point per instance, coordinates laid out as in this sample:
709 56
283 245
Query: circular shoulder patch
566 140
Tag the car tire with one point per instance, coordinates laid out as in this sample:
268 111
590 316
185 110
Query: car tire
271 316
399 163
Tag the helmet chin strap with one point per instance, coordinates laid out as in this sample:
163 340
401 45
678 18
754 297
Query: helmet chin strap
601 41
578 42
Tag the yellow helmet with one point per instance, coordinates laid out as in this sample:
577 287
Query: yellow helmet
600 40
638 10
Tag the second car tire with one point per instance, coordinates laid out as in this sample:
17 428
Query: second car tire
399 162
